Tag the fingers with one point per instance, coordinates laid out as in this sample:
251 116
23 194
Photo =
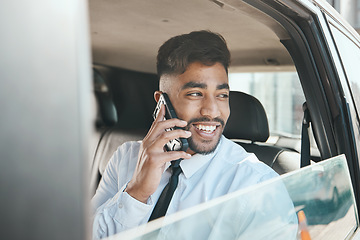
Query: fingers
174 155
168 123
154 150
160 125
152 156
165 137
158 160
157 137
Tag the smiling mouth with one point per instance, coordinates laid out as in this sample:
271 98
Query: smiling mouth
206 128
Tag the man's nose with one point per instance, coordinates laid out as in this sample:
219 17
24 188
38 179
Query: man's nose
210 108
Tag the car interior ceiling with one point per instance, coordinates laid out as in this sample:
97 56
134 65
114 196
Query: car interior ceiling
125 38
128 34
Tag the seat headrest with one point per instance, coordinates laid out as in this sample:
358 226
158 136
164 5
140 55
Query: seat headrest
247 119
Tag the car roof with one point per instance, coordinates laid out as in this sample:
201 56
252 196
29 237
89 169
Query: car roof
127 34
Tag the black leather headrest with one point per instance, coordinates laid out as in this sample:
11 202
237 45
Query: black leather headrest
107 115
247 119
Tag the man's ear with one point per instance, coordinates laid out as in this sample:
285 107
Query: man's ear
157 95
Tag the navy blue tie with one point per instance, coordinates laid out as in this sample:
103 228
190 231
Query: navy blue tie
166 195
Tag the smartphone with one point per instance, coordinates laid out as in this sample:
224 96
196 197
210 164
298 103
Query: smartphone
177 144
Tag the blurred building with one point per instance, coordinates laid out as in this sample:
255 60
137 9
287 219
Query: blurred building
350 10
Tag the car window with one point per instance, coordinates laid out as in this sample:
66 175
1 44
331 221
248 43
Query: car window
350 55
281 95
323 207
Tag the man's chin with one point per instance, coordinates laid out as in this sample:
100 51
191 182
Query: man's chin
203 147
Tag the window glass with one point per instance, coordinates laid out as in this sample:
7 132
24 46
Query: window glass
316 200
350 56
281 95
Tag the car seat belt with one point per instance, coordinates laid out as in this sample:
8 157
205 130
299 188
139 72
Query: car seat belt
305 141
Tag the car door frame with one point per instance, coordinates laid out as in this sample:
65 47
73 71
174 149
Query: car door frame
312 49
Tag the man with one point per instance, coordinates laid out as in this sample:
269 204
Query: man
193 71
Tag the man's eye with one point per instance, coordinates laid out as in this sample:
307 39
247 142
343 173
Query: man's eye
195 94
224 95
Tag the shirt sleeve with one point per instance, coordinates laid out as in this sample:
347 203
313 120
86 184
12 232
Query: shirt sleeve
120 213
115 210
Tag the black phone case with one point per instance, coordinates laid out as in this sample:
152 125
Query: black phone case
177 144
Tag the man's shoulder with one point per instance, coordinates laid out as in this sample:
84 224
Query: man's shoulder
238 157
127 149
130 145
232 152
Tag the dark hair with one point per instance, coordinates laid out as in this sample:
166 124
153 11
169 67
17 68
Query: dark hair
177 53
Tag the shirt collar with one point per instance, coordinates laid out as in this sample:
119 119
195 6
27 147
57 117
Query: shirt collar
192 165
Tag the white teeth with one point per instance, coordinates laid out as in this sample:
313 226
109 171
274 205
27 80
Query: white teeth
207 128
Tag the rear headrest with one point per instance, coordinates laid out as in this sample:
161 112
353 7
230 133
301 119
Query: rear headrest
107 115
247 119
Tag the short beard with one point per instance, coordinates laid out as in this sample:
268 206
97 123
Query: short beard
195 147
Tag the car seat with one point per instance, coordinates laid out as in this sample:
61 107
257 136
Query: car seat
248 127
113 126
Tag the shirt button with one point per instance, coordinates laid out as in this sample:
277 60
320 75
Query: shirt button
120 205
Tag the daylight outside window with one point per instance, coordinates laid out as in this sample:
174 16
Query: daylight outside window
281 95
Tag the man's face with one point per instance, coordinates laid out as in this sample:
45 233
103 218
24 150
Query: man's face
200 96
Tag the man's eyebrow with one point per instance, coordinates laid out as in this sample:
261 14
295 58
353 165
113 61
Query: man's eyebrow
194 85
203 85
223 86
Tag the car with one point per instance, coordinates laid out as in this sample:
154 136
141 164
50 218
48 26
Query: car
78 79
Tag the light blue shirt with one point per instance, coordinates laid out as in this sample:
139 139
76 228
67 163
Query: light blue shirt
204 177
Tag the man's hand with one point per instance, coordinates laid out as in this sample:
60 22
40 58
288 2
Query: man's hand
152 156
